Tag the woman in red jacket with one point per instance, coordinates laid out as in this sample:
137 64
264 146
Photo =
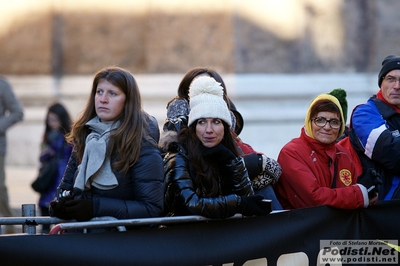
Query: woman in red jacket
317 171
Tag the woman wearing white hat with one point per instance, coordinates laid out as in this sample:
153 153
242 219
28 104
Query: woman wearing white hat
204 173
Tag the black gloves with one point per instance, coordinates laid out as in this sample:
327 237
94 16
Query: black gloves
58 209
80 209
254 205
371 180
219 153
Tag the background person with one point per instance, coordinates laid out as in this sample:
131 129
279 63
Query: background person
377 128
11 112
316 170
54 145
116 168
204 173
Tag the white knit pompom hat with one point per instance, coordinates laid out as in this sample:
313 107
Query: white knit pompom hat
206 100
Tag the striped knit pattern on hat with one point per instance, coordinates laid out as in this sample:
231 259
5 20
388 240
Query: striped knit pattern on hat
206 100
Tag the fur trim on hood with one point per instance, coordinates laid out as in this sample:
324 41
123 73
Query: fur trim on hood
166 138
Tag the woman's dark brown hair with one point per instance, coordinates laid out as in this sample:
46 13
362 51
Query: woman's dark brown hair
206 173
65 120
324 106
184 86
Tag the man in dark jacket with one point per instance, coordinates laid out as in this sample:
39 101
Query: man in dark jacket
377 124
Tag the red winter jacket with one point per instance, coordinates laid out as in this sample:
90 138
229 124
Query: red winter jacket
307 175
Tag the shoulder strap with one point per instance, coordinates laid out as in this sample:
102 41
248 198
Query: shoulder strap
334 174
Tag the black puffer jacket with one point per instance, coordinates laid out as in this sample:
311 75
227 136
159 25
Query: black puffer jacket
139 194
181 197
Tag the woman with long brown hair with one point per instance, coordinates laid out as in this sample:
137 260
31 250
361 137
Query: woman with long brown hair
116 168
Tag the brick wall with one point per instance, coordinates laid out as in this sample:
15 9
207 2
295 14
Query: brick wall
156 36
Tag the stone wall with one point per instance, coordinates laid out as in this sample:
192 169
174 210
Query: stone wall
156 36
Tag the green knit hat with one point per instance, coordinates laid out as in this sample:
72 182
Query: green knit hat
340 94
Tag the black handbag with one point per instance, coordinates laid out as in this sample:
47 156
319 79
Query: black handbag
46 176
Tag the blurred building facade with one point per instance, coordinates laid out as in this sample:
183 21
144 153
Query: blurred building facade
75 37
274 56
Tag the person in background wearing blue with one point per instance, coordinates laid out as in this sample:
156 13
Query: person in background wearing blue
377 127
57 126
115 168
11 112
204 173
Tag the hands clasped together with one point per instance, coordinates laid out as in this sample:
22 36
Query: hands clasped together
247 205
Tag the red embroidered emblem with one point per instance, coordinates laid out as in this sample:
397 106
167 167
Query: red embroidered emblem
345 176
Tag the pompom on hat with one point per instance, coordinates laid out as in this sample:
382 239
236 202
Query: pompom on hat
390 63
341 94
206 100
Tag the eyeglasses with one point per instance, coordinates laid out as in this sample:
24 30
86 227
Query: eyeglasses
391 79
321 122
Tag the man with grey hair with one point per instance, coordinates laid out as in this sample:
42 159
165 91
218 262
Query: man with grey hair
11 112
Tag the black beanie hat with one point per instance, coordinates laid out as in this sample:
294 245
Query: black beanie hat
389 63
341 94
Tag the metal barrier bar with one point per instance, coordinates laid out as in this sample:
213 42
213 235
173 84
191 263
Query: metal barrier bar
32 220
29 210
29 221
60 228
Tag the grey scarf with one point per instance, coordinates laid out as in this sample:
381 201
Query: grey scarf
95 168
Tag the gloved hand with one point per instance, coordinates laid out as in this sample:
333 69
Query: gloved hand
58 209
371 180
254 205
80 209
218 153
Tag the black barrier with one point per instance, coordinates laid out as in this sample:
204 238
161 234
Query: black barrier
265 240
